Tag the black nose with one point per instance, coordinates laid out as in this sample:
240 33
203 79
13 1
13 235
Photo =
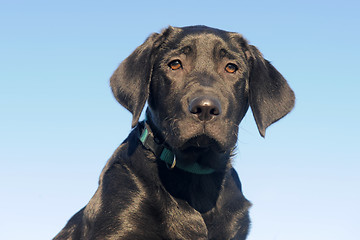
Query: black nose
205 108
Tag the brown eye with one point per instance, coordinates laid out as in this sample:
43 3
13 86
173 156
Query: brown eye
175 65
231 68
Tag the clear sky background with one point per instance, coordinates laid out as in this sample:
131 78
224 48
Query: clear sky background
59 122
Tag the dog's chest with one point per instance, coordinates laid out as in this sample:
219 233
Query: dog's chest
181 221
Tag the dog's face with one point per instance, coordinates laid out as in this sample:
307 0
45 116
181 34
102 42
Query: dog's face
199 83
194 74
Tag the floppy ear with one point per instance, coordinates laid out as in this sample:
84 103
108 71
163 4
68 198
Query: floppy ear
130 81
270 96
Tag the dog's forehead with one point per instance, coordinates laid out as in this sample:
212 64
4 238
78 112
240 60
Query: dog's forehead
204 41
200 38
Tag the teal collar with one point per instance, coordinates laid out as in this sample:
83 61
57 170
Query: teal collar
166 155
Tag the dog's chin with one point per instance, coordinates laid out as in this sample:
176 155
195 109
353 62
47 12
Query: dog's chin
201 143
204 150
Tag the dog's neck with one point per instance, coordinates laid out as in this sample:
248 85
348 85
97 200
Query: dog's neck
160 149
199 186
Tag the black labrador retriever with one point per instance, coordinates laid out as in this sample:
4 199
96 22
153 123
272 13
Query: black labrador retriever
172 177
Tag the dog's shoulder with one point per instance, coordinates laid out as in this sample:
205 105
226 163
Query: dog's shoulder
131 169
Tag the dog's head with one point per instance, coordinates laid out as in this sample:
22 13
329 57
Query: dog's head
199 82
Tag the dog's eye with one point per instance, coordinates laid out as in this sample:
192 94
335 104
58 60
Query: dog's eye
231 68
175 65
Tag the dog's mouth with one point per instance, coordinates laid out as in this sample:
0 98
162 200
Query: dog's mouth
203 150
201 143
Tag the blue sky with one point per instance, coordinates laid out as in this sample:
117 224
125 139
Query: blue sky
59 122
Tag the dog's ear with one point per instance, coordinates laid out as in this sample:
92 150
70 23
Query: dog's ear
131 80
270 96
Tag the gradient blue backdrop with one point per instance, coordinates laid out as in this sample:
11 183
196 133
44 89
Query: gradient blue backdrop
59 122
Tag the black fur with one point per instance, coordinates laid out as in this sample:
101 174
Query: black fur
139 197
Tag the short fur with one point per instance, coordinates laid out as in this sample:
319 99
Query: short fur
138 196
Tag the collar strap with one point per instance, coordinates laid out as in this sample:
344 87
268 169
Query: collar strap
165 154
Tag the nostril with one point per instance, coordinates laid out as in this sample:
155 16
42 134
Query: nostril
205 108
214 111
195 110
